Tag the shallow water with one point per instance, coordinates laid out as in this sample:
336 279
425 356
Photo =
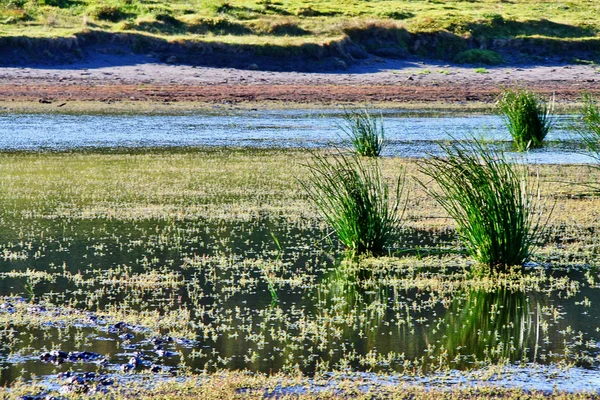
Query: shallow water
322 319
217 275
408 136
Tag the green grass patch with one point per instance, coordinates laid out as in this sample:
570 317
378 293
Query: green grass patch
590 131
365 132
497 217
353 196
527 117
479 56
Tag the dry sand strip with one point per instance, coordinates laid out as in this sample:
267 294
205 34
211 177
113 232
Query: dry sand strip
115 78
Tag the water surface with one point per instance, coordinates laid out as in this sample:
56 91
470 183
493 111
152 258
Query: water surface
407 136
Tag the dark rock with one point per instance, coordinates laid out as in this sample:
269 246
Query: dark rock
65 375
76 380
120 325
165 353
126 336
84 356
135 361
155 368
127 367
89 375
106 381
54 356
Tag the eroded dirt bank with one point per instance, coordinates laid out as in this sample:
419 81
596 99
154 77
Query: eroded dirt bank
108 78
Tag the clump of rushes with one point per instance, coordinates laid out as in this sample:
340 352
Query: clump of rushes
498 217
365 131
527 118
353 196
590 133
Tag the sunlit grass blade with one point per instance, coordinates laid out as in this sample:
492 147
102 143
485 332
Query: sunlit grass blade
365 132
527 118
590 131
353 196
498 216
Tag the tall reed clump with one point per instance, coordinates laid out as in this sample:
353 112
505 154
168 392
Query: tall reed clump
498 217
590 132
365 132
527 117
353 196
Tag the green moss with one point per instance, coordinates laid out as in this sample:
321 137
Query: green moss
479 56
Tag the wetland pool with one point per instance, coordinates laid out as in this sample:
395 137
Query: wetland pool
407 136
194 296
191 258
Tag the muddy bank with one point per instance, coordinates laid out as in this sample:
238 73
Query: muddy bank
108 77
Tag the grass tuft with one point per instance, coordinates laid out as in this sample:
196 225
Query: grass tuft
590 132
497 217
366 132
352 195
479 56
527 118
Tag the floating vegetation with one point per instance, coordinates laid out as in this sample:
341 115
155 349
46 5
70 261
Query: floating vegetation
163 283
497 216
527 118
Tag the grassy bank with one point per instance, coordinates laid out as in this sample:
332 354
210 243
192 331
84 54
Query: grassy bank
314 30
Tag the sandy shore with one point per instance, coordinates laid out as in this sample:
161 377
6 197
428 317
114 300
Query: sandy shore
111 78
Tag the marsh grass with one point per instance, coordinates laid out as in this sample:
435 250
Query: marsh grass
527 118
353 196
365 132
590 131
498 217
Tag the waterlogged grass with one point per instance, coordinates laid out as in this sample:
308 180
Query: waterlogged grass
352 195
498 214
527 117
365 132
182 244
590 132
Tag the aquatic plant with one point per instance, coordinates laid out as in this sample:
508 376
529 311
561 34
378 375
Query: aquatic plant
497 216
590 131
366 132
527 118
352 195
